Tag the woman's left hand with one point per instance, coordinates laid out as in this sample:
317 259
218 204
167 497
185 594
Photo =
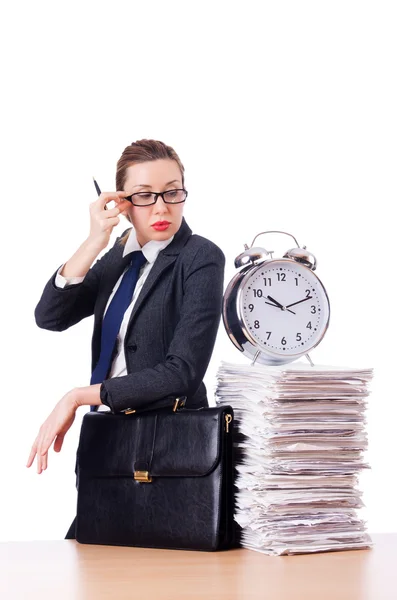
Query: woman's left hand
54 428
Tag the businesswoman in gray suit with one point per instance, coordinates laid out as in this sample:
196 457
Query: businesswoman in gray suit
168 328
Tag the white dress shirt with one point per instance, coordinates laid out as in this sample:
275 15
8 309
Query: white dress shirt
150 250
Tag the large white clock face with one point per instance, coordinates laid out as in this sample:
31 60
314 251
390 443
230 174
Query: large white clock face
284 307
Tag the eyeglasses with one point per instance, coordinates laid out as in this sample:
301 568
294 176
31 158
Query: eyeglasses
146 198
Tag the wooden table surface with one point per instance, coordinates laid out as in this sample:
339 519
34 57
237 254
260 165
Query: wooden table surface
65 569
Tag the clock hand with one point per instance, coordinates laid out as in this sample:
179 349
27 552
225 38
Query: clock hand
271 304
299 301
277 304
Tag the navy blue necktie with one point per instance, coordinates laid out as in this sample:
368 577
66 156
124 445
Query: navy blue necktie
114 316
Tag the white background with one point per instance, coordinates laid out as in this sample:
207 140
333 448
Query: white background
284 116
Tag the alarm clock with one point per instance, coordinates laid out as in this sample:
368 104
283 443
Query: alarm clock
275 310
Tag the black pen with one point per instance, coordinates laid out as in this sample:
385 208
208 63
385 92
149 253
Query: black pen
98 190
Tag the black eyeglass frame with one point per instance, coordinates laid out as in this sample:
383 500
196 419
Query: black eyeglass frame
156 195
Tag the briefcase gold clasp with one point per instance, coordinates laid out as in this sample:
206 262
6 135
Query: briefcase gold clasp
179 403
228 419
142 476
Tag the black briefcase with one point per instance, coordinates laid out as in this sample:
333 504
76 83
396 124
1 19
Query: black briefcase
157 479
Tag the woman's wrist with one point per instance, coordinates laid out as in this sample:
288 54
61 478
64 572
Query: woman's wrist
79 264
88 395
93 246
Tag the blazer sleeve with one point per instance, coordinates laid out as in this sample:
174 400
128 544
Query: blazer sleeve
60 308
192 344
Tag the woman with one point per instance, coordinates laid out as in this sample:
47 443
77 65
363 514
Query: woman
167 333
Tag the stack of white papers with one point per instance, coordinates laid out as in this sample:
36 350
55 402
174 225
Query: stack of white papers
299 443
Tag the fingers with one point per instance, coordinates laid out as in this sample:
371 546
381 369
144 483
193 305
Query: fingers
106 197
40 458
53 429
42 461
103 221
109 223
111 212
121 200
31 458
39 463
123 207
31 455
115 211
40 449
123 204
45 442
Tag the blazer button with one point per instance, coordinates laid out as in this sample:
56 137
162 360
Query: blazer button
132 347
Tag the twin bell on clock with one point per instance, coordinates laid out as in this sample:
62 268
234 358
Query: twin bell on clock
275 310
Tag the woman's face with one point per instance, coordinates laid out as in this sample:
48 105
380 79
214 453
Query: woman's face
154 176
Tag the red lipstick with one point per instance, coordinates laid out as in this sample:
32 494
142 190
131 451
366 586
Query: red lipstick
161 225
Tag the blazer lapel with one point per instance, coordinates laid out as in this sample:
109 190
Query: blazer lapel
163 262
117 264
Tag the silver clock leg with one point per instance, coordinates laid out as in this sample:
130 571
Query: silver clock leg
309 359
255 357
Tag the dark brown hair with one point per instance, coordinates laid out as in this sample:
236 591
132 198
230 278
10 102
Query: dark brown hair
138 152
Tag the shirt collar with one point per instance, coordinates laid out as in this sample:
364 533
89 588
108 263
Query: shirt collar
150 250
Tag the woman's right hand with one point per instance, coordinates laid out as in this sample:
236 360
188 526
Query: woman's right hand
103 220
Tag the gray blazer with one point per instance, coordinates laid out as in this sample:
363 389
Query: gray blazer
172 328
